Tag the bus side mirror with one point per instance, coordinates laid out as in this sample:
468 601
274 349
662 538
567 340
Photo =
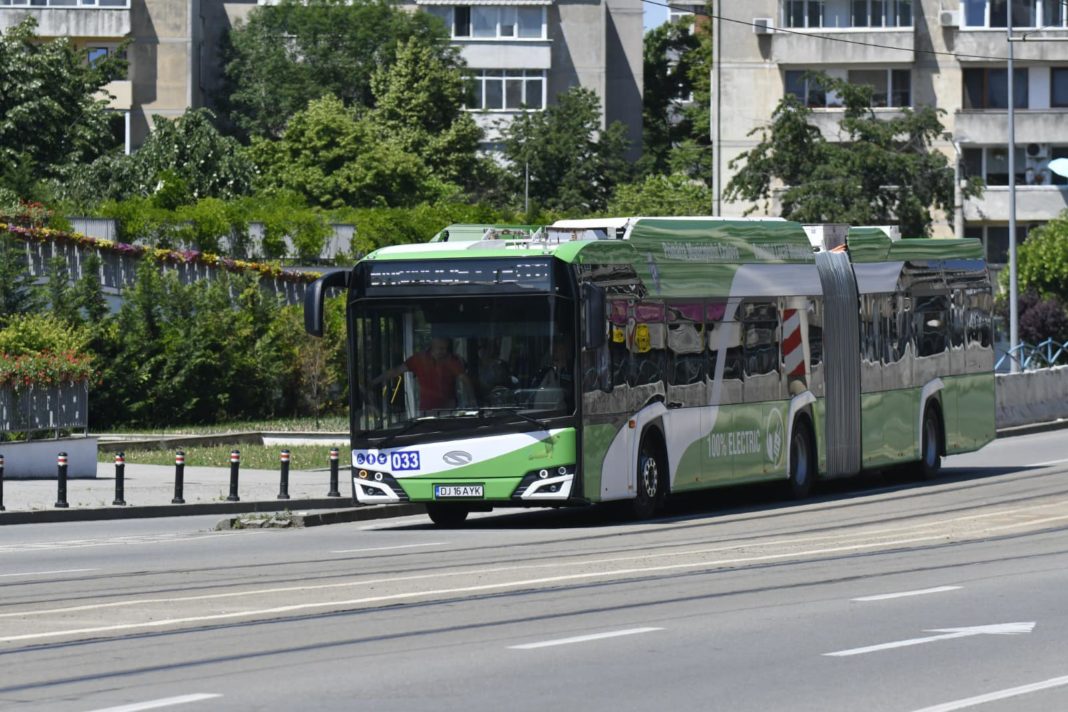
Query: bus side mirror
594 316
313 299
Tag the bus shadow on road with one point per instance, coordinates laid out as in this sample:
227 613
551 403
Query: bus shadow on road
741 499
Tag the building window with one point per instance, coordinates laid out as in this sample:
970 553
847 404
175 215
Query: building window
847 13
803 13
881 13
1025 13
491 21
991 164
986 88
506 90
1058 90
890 87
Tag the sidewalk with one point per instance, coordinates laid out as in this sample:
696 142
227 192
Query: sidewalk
149 489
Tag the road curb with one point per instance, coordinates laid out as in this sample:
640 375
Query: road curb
1032 429
341 516
42 516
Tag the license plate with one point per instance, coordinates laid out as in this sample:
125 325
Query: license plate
448 491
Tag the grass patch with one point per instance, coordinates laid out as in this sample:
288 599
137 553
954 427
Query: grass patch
256 457
327 424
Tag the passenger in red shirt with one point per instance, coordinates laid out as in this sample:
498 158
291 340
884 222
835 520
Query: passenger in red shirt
438 373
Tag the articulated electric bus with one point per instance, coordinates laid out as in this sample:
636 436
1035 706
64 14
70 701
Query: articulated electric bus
625 359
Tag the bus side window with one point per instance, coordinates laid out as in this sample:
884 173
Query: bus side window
931 325
760 344
648 343
685 339
956 323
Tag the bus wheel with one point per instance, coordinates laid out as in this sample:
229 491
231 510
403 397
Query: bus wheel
802 461
447 515
651 478
931 444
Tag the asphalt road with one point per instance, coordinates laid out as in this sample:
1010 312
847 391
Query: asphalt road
875 595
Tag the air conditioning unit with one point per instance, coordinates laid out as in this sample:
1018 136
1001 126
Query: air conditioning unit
949 18
763 26
1037 150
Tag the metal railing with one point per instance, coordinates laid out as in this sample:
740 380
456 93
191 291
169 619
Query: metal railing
1030 357
25 409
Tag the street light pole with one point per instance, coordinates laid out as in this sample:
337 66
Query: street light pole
717 73
1014 325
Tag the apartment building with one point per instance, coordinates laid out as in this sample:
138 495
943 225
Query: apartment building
945 53
522 53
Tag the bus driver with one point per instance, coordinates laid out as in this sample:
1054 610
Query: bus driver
438 372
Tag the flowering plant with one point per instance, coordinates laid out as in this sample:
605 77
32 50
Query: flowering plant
44 368
44 234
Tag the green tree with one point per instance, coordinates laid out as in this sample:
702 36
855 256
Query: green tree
58 291
573 164
1043 260
884 171
181 161
419 102
17 292
50 113
661 195
289 54
332 157
669 51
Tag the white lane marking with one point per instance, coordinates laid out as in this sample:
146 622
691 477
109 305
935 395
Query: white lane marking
387 548
946 634
1047 464
43 573
999 695
117 541
903 594
415 594
938 536
156 704
582 638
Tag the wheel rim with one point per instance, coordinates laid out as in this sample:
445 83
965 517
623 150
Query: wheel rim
799 459
650 477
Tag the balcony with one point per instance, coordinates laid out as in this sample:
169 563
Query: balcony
506 53
991 127
68 18
982 44
807 48
1033 204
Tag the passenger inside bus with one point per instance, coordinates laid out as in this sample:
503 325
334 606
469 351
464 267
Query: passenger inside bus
440 375
493 374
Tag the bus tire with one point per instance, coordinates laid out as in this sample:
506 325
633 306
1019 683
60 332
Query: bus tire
447 515
802 461
931 442
651 482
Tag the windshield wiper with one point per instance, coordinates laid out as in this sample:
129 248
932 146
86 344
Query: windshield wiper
513 410
408 427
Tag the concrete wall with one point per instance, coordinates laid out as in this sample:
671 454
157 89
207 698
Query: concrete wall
37 459
1032 396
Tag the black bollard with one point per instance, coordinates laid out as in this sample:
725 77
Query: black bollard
333 473
179 478
235 466
120 480
283 486
61 477
1 483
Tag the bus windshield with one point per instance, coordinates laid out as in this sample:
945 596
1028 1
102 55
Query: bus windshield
490 356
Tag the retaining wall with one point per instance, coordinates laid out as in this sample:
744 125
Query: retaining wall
1032 396
37 459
